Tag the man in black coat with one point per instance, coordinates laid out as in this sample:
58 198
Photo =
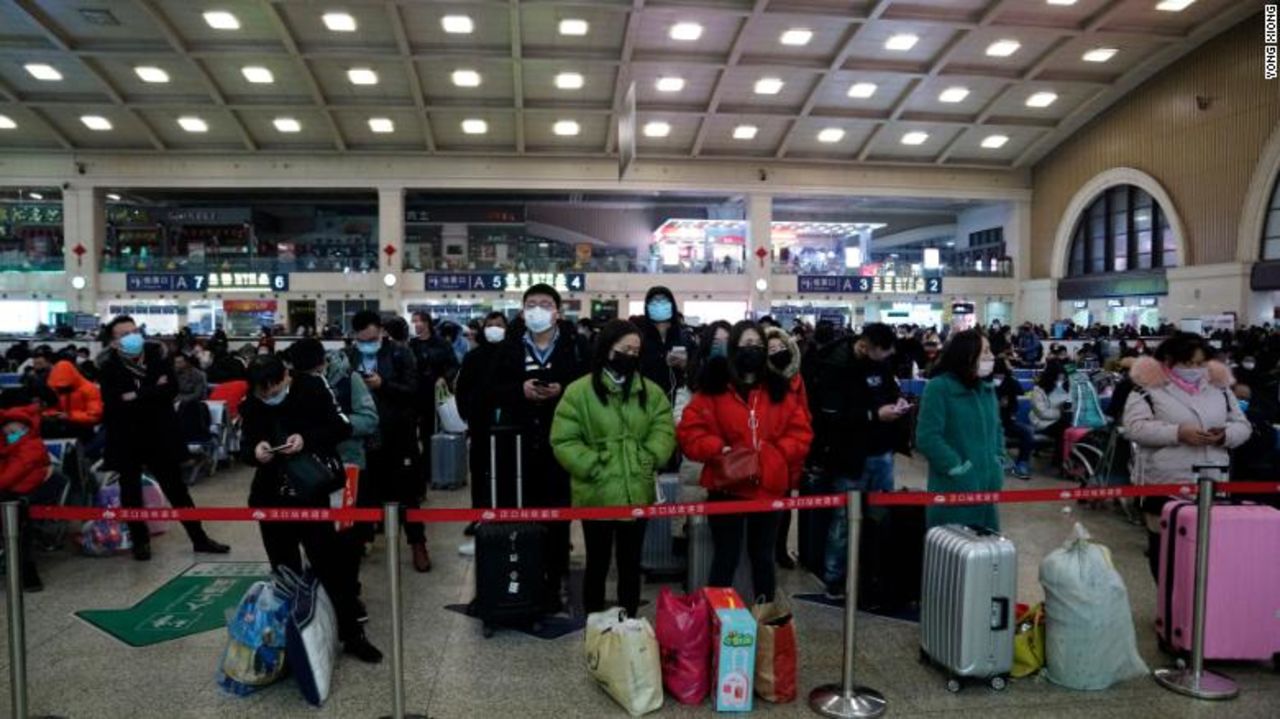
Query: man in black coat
138 392
436 362
539 357
388 368
299 414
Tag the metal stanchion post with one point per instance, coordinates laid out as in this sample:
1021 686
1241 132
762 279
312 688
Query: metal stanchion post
1195 681
17 625
391 530
846 700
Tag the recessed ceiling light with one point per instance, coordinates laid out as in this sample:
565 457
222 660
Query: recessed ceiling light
862 89
1100 54
954 94
796 36
1003 48
745 132
475 127
670 84
97 123
1174 5
113 197
381 125
1042 99
35 195
566 128
457 24
569 81
221 20
573 26
901 42
994 142
258 75
686 31
7 123
362 76
193 124
657 129
830 135
915 138
339 22
287 124
42 71
149 73
466 78
1062 2
768 86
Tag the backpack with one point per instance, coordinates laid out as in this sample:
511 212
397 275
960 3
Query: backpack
194 421
342 392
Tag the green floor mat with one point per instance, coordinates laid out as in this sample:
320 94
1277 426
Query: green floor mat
193 602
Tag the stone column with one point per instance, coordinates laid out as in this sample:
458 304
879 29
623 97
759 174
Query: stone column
759 221
391 234
84 226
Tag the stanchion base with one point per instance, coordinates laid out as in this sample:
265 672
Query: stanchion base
831 700
1210 686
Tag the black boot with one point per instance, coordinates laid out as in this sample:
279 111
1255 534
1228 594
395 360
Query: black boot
358 646
206 545
31 578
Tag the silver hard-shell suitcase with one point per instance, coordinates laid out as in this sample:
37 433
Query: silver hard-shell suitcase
658 557
448 461
967 603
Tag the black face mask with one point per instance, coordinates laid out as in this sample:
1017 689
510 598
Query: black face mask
749 359
780 360
622 365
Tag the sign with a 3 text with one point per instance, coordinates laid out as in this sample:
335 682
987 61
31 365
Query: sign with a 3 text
865 285
503 281
211 282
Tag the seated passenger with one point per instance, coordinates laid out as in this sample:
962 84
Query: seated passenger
79 407
24 467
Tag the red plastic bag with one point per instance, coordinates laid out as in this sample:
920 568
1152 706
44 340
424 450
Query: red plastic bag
684 638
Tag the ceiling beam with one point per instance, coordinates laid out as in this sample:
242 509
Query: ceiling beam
396 19
735 54
623 80
291 46
517 72
9 95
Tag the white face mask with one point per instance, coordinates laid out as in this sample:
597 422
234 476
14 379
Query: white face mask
494 334
537 319
986 367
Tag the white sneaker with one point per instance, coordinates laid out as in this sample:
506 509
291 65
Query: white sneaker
467 549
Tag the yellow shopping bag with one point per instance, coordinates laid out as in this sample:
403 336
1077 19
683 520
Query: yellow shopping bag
622 656
1028 641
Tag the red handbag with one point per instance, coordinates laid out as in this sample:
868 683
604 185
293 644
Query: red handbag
739 468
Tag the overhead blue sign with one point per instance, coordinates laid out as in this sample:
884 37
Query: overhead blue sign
504 281
211 282
860 285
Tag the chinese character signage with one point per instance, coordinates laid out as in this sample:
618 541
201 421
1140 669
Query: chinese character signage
863 285
504 282
212 282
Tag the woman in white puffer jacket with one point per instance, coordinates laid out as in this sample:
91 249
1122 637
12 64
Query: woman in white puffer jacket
1180 415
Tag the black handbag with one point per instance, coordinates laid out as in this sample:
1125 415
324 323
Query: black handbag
311 478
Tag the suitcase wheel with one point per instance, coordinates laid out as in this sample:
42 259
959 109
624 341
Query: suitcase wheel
536 627
998 683
953 685
487 631
923 656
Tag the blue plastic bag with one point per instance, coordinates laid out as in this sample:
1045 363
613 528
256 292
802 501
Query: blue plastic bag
256 655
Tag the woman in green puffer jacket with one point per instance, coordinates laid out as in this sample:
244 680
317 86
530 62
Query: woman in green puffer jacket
612 430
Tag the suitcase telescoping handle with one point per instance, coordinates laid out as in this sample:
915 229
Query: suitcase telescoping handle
493 469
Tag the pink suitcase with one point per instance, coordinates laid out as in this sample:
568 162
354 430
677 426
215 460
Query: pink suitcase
1242 609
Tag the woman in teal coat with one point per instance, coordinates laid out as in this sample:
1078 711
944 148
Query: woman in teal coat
612 430
959 431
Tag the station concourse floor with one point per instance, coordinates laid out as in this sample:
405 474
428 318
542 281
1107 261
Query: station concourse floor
79 672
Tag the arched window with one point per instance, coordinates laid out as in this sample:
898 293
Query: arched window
1271 228
1124 230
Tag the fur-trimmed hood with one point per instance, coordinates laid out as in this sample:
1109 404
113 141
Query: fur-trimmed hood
794 368
1148 372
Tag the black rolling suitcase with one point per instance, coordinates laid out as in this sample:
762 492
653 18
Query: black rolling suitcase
890 557
813 527
509 559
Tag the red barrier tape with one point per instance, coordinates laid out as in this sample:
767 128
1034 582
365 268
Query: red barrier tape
564 514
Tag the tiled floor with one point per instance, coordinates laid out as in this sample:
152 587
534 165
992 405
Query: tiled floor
77 671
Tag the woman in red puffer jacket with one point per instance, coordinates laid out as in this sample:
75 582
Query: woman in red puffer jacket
745 407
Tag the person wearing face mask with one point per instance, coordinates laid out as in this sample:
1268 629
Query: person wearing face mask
612 431
959 432
473 408
138 391
79 408
287 414
1180 414
539 357
437 365
388 369
750 412
667 344
784 359
24 471
1051 406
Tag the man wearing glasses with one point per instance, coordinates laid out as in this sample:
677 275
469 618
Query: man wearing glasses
541 355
